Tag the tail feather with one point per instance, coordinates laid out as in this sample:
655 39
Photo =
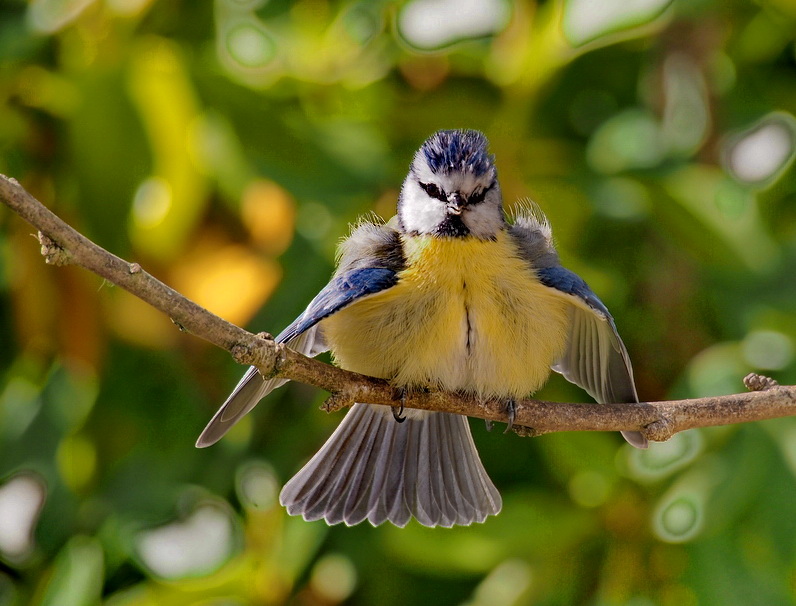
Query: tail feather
375 469
364 496
340 503
426 494
334 471
457 494
474 485
417 474
439 512
390 504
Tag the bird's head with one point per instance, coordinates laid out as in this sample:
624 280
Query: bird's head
452 189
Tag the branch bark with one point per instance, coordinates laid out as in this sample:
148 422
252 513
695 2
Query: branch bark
61 244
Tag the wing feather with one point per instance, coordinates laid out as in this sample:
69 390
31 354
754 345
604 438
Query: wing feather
595 358
303 335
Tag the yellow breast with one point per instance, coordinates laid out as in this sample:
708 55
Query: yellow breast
465 315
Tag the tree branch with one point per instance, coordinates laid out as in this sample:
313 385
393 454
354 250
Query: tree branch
659 421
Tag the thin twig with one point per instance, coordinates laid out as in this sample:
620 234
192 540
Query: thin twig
61 244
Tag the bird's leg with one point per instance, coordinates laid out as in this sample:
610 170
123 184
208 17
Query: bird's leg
511 412
398 411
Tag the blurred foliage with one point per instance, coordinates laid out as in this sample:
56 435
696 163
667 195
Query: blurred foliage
227 145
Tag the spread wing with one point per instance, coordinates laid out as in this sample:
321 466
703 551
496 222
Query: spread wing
595 358
303 335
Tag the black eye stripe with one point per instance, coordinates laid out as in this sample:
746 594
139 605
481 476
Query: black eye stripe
476 198
434 191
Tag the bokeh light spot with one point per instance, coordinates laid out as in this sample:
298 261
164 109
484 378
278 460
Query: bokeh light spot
257 486
138 322
589 488
334 578
767 349
128 8
77 461
686 116
679 520
586 20
662 459
152 202
628 140
269 213
361 22
19 405
21 500
250 46
716 370
49 16
193 547
228 279
760 154
622 198
430 24
504 585
314 221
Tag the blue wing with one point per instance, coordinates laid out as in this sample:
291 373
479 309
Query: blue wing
595 357
303 335
340 292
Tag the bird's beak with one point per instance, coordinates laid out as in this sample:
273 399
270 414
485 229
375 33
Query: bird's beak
456 203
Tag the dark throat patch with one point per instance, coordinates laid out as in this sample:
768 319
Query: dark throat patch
452 226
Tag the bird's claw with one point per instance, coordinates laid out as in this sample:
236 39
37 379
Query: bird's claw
511 412
398 411
488 424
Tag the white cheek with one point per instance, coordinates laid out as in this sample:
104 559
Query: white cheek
418 212
483 221
486 219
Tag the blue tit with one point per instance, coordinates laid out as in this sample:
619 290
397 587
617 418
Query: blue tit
447 295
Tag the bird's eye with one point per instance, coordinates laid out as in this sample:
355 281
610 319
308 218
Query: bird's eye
477 197
480 195
434 191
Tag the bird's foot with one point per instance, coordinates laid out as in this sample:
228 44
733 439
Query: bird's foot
511 413
398 411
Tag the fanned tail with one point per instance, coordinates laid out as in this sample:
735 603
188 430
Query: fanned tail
373 468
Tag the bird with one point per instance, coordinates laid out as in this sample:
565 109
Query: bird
449 294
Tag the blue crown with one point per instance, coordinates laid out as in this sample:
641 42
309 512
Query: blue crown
448 151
